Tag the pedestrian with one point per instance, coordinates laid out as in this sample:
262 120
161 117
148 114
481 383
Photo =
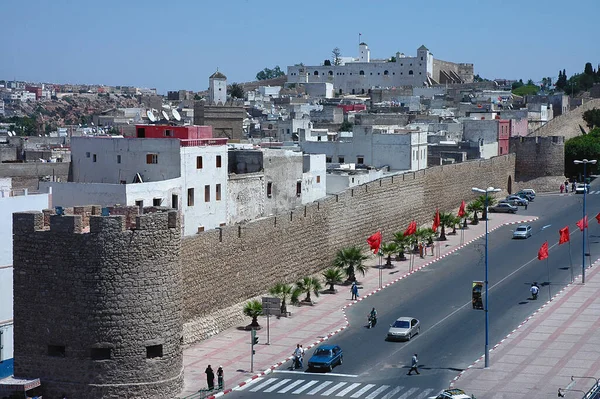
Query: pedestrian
354 291
220 377
413 365
421 249
301 355
562 188
432 247
526 202
210 378
573 186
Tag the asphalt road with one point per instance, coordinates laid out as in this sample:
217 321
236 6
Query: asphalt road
452 332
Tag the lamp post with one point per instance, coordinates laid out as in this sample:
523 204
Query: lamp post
486 308
584 162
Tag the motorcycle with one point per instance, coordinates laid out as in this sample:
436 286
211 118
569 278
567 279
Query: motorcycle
534 292
372 320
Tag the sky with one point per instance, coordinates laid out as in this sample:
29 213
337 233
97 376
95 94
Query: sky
175 45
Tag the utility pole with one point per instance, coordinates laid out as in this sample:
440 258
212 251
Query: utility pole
253 341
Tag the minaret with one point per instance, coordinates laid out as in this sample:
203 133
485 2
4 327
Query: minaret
364 54
217 88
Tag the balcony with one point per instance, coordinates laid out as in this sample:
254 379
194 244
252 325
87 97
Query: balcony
202 142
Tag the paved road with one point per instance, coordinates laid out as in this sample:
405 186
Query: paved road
452 333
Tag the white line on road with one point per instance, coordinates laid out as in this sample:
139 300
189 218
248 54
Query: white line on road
423 394
361 392
333 388
264 384
305 387
305 373
292 385
376 392
406 394
348 389
276 386
395 391
317 389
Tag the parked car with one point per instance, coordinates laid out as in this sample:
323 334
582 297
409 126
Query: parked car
523 231
451 394
503 207
528 191
326 357
517 201
581 188
404 328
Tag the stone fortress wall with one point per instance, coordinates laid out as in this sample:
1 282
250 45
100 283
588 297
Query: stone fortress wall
98 306
227 266
540 161
569 124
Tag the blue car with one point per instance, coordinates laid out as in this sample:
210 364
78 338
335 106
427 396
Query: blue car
326 357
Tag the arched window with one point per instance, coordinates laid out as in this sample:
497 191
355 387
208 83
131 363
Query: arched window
386 73
341 92
410 72
362 91
330 73
353 91
316 73
361 73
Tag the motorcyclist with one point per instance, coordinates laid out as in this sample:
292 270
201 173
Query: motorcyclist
534 290
372 318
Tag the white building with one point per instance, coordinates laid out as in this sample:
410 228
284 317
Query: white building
217 88
190 175
287 130
347 176
269 91
11 202
394 147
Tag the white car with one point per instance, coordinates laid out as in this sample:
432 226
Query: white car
451 394
404 328
580 188
523 231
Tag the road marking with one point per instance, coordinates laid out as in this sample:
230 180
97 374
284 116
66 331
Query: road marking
304 373
360 392
276 386
406 394
333 389
317 389
292 385
424 394
376 392
251 383
348 389
263 384
305 387
393 392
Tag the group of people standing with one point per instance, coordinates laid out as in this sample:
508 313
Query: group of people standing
564 187
210 377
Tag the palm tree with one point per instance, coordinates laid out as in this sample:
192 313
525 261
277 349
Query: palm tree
446 220
333 275
351 261
306 286
455 221
402 242
253 309
282 291
474 207
491 201
389 249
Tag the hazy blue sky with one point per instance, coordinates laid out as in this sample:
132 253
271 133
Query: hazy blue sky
174 45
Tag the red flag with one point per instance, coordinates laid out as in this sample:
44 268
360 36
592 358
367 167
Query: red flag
543 252
583 223
564 235
461 210
436 220
598 217
412 229
375 242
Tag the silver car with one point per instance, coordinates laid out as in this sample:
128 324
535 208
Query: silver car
404 328
523 231
503 207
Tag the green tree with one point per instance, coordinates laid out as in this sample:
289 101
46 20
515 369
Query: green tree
268 73
332 275
589 69
446 220
392 59
592 118
336 56
236 90
582 147
526 90
402 243
253 309
518 84
307 286
561 83
283 292
345 127
491 201
197 97
350 260
474 207
388 250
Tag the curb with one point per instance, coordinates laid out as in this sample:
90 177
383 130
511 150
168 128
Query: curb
346 323
555 296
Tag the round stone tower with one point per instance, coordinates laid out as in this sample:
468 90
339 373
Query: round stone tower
98 308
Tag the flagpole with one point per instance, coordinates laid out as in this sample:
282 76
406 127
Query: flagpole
548 268
571 260
589 253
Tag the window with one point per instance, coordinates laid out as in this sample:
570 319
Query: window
156 201
341 159
123 182
410 72
153 351
218 192
207 193
87 154
288 131
318 138
316 73
298 188
141 132
140 205
151 158
100 353
318 179
385 73
269 189
360 160
190 199
56 350
175 201
361 73
421 59
198 162
169 133
118 159
218 161
328 160
330 73
94 158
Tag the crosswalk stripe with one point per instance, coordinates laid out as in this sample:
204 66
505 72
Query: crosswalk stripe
333 388
424 394
305 387
392 393
292 385
263 384
276 386
361 391
348 389
376 392
317 389
407 393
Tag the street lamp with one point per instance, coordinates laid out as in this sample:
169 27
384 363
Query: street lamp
584 162
485 309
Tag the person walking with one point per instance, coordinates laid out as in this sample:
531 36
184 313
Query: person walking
573 186
413 365
566 186
354 291
220 376
562 188
210 378
301 356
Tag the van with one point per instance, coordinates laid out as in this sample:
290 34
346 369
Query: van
528 191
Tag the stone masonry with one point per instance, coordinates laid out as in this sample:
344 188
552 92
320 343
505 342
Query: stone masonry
98 308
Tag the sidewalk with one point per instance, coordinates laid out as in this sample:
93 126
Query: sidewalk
560 340
308 325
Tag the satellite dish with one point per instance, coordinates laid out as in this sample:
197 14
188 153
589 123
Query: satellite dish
164 114
151 116
176 115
